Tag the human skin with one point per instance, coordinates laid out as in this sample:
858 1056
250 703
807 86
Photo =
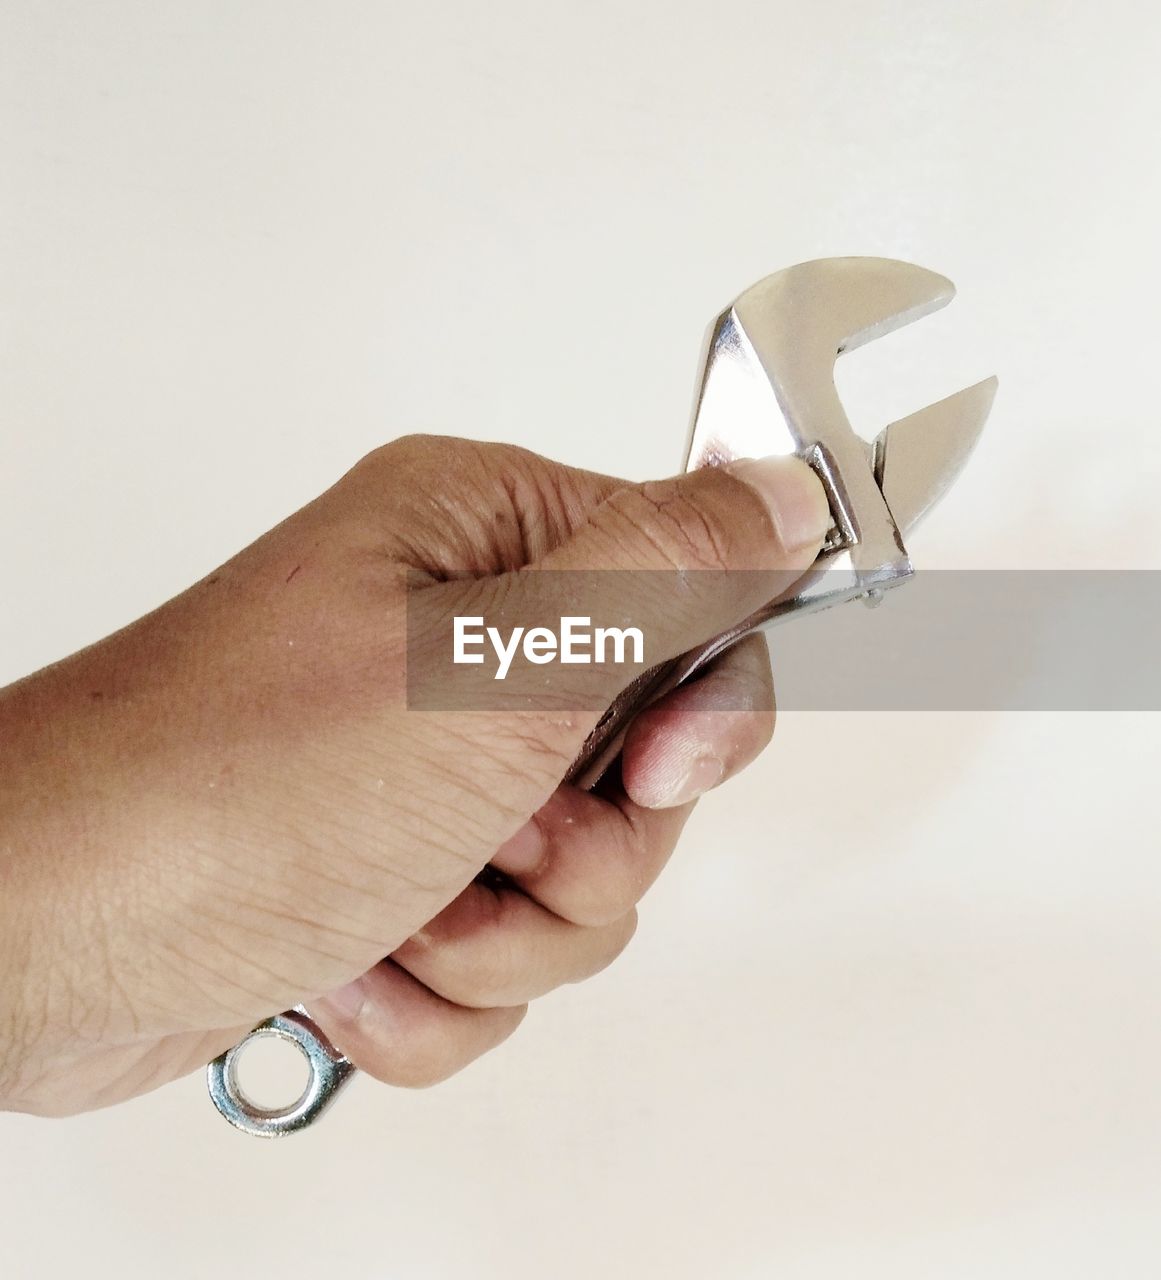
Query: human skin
227 808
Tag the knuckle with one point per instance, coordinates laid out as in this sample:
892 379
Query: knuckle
405 451
425 455
599 901
419 1066
476 957
448 1048
614 938
487 974
437 1046
680 526
413 444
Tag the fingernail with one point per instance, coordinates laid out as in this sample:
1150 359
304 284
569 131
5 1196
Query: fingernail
705 772
524 852
347 1002
792 494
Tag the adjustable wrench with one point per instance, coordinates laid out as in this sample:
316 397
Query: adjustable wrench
766 386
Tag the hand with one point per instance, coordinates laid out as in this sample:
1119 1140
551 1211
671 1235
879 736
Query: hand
227 808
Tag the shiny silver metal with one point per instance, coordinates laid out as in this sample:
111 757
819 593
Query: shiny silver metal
328 1072
766 387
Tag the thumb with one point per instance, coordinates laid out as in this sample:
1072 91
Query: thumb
691 556
677 561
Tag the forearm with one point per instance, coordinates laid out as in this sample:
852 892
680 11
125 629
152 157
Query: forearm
79 761
50 829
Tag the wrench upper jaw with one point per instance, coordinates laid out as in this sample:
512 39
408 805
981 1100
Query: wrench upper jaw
800 319
766 381
767 387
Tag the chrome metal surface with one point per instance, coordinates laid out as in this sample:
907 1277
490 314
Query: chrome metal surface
328 1072
917 459
766 386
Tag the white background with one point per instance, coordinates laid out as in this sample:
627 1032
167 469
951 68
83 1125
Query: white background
894 1009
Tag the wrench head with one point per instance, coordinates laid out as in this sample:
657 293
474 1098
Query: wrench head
767 387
